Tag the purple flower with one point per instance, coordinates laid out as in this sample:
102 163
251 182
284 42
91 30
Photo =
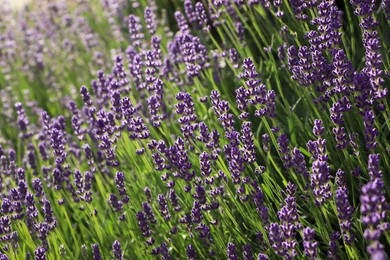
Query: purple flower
181 22
288 215
174 200
299 163
373 166
284 150
379 255
240 31
231 252
116 249
190 12
373 213
276 239
309 244
143 225
262 257
191 255
149 213
205 166
318 128
204 233
345 212
254 93
40 253
370 132
333 246
120 185
248 255
162 202
135 28
95 252
23 121
202 16
188 117
258 199
116 204
196 212
150 20
163 250
247 140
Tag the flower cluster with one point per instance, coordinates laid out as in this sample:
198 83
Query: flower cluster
149 132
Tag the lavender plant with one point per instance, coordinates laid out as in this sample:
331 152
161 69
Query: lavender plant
223 129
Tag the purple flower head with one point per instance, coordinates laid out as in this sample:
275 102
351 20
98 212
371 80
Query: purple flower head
204 233
196 213
379 255
143 224
150 20
373 212
276 239
181 22
231 251
299 163
95 252
163 207
370 132
40 253
135 27
116 249
248 255
202 16
284 150
318 128
262 257
191 255
22 120
163 250
186 109
190 11
373 166
345 212
333 246
247 141
309 244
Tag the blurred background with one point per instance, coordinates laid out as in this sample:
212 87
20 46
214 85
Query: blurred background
16 4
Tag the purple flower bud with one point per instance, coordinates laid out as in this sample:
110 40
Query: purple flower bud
345 212
373 212
191 255
285 150
150 20
40 253
163 207
95 252
202 16
116 249
231 251
309 244
248 255
318 129
262 257
333 246
373 166
181 22
135 28
276 239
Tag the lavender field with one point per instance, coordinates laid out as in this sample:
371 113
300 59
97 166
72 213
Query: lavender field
183 129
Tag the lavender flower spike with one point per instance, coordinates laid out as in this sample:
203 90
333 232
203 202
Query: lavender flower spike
309 244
